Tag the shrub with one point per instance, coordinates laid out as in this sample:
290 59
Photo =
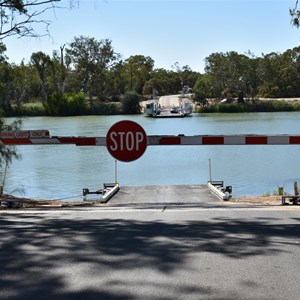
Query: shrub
30 110
131 103
76 104
107 108
260 106
57 104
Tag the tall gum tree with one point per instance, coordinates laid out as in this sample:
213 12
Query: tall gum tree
19 17
91 59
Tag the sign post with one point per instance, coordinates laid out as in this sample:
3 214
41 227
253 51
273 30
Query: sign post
126 141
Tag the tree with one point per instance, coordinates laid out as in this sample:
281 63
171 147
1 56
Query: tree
20 88
117 81
60 69
138 69
280 74
131 103
18 17
233 74
40 61
169 82
202 89
92 60
189 77
5 82
8 153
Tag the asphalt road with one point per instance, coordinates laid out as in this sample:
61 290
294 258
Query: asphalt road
168 252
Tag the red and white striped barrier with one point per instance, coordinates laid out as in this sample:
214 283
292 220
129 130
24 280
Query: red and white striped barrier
225 140
42 137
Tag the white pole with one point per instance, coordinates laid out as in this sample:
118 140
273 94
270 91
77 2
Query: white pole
116 171
210 180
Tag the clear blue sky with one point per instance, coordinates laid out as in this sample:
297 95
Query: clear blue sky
169 31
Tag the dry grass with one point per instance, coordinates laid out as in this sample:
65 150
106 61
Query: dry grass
258 200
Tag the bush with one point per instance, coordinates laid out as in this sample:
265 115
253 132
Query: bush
30 110
57 104
76 104
9 152
260 106
107 108
131 103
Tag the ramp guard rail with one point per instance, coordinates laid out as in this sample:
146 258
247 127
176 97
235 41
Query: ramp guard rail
217 188
291 198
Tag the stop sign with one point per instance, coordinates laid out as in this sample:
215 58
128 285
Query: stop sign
126 141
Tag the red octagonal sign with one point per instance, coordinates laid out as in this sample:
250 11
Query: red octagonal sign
126 141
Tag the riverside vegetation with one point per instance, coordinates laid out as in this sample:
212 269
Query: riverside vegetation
69 107
256 106
88 77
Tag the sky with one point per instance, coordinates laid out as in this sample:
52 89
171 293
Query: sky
169 31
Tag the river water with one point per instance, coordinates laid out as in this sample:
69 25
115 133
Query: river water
62 171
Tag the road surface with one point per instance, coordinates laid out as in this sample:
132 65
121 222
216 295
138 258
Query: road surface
151 252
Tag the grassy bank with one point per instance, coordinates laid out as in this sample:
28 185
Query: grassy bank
258 106
37 109
116 108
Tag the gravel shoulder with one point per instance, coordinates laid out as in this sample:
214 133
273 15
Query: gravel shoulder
8 201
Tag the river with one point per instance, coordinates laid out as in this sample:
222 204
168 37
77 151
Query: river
62 171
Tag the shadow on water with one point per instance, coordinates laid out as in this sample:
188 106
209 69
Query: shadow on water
38 254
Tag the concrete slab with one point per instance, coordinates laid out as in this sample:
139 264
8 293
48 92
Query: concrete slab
165 195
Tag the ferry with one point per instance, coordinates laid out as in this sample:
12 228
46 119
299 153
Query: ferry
174 106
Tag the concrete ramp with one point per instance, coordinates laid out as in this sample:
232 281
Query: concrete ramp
195 195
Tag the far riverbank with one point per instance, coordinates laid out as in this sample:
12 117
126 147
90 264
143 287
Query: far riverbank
36 109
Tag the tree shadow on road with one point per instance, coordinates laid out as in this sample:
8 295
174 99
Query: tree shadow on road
42 257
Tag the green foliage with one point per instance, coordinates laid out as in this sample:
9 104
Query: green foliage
107 108
8 153
5 88
92 67
202 90
232 75
76 104
259 106
137 70
29 110
57 104
93 61
41 62
170 82
131 103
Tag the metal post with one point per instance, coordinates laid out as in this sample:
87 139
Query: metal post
116 171
296 188
210 180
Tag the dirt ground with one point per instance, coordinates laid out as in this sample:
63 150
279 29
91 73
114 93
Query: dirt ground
257 200
8 201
